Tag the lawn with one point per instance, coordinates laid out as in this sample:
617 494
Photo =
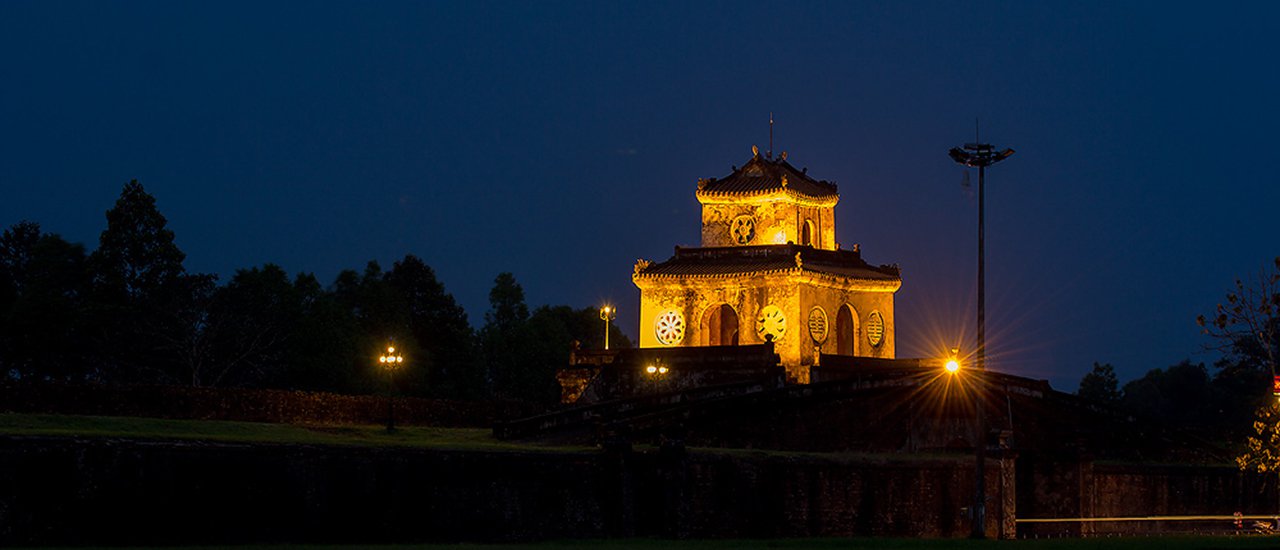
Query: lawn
477 439
461 439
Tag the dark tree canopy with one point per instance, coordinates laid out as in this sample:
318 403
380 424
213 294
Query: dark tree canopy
503 340
131 313
44 282
507 309
1180 395
17 245
148 310
1100 384
136 253
250 324
447 364
1246 328
324 351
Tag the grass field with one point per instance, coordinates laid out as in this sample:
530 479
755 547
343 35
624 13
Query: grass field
252 432
1134 543
459 439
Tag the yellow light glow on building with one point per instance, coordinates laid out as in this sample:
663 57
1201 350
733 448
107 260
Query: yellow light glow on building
747 285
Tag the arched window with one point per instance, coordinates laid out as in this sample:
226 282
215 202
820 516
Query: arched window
720 326
847 331
806 233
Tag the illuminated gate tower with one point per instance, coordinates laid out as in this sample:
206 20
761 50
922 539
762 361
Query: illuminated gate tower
769 267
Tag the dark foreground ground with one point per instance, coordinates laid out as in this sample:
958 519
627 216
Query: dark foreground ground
1132 543
247 461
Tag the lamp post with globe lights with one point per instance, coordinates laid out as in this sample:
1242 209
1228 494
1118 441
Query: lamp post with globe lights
391 361
607 313
657 374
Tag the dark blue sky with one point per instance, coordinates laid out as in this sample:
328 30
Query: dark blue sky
561 141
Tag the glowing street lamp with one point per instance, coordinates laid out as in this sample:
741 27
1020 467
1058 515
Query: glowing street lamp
980 155
952 365
391 361
607 313
656 373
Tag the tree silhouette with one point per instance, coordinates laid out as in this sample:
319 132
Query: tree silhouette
136 255
251 320
44 283
1180 395
1100 384
148 310
1246 329
446 363
503 339
1247 326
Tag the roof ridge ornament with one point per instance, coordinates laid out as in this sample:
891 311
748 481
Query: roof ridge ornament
755 152
783 156
799 262
641 265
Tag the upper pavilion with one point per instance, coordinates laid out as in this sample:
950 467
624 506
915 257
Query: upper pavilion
769 269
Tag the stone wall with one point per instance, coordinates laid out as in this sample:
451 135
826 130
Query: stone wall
1051 488
98 491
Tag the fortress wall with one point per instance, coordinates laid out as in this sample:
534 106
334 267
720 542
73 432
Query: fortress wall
99 491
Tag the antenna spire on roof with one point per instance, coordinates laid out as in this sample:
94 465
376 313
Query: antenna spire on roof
770 154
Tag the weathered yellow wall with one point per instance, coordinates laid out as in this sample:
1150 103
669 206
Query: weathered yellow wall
862 303
777 221
795 293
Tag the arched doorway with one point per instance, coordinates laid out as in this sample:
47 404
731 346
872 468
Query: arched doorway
720 326
846 331
806 233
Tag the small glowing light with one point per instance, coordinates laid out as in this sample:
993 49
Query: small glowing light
780 238
952 366
399 358
662 370
382 359
391 349
651 369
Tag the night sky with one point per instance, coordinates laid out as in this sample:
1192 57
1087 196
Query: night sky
562 141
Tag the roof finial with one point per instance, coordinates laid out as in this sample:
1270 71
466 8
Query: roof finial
770 134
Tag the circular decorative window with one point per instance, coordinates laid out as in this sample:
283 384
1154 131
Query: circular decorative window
771 322
818 324
669 327
875 328
743 229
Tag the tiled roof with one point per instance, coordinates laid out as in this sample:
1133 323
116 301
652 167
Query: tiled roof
761 175
735 260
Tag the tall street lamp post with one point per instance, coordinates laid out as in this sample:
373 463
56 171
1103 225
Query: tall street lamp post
391 361
980 155
607 313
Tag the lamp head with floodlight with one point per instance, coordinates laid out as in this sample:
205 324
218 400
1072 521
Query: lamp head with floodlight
977 155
